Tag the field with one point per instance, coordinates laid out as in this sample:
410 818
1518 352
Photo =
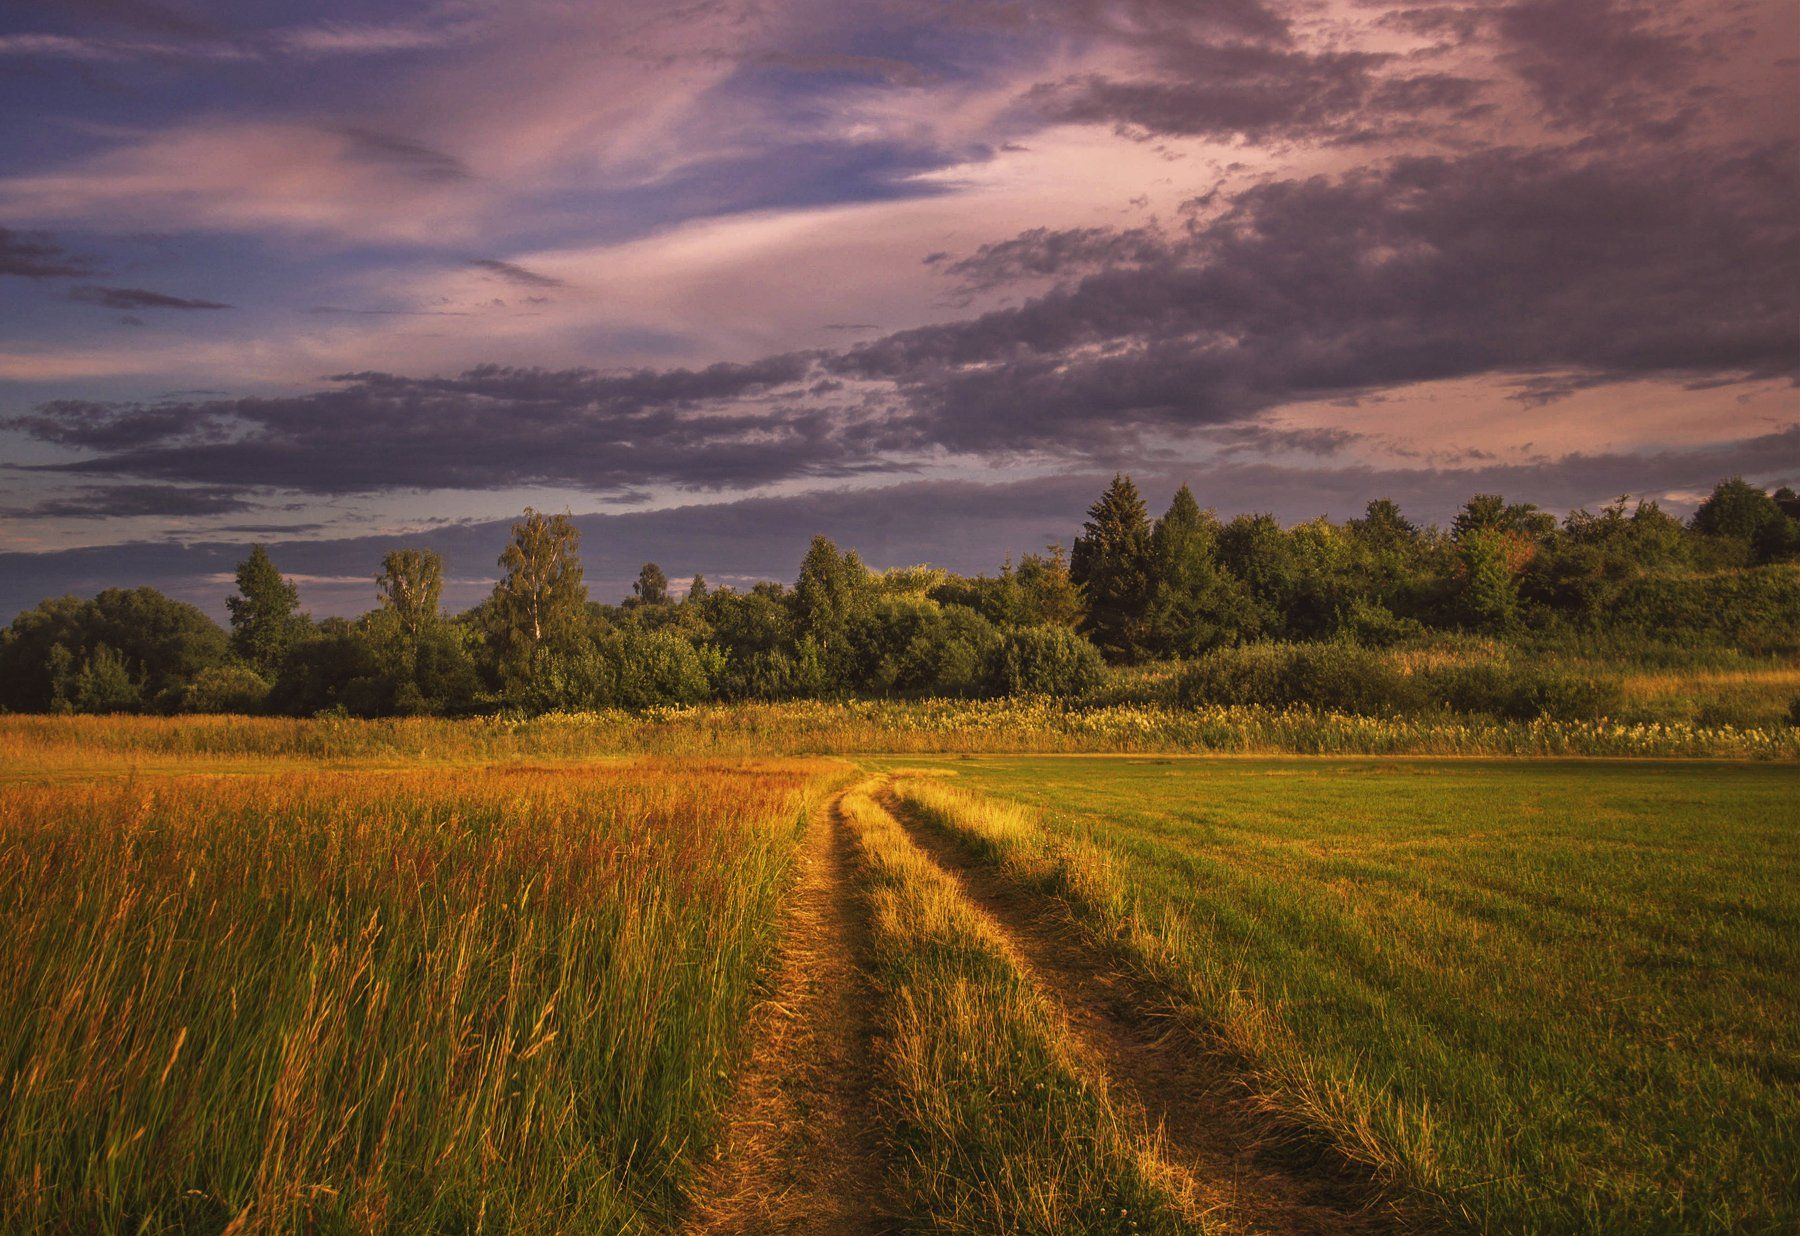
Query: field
325 976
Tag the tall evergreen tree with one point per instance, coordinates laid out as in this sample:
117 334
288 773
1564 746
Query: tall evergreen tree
1194 604
1111 563
265 618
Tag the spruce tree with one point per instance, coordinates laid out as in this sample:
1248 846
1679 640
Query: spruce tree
265 616
1195 605
1111 563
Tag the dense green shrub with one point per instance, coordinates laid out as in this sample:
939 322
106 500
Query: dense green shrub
660 667
1336 677
1756 610
226 688
1521 692
1045 660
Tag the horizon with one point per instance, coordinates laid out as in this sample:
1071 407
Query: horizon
343 276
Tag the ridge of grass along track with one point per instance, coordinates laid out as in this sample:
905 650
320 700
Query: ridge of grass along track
997 1127
1547 997
448 1001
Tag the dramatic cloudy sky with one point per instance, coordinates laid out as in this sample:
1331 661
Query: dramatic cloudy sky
919 274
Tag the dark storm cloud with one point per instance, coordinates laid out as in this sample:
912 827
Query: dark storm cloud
1426 269
967 526
1590 60
489 427
1044 253
36 256
138 298
1257 93
516 274
130 501
1569 269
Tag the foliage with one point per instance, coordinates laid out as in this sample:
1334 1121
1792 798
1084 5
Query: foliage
226 689
1046 660
1630 583
162 645
537 615
1111 564
265 617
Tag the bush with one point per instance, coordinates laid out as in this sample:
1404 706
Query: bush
1045 660
660 667
1329 677
1375 626
1517 692
1793 712
225 688
1349 679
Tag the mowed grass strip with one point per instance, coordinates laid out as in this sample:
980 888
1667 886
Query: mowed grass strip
1538 996
997 1126
413 1002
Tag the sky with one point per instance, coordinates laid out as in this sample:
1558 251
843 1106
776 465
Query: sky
920 275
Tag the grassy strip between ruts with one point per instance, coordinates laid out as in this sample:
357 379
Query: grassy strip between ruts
998 1127
1485 1016
466 1001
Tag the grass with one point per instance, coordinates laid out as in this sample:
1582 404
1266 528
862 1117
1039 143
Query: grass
450 1001
40 748
1538 996
996 1126
334 976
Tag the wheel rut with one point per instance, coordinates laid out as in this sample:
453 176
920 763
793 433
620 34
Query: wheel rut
800 1153
1239 1176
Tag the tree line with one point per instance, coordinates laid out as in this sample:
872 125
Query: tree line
1133 589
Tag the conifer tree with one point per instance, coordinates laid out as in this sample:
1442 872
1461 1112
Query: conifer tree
1195 605
1111 563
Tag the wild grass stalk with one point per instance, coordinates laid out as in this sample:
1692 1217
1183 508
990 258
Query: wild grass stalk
495 1001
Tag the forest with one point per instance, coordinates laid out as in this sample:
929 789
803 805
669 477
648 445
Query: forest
1242 611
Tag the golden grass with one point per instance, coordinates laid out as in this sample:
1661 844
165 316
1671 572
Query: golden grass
472 1001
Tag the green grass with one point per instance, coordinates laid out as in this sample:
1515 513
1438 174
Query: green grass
994 1126
495 1001
1546 996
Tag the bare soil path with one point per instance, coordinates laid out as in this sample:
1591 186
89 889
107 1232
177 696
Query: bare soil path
1242 1178
799 1153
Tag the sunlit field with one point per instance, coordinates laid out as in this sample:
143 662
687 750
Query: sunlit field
1543 996
41 747
397 976
495 1000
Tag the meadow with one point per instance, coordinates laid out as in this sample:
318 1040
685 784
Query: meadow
489 1000
599 974
1539 996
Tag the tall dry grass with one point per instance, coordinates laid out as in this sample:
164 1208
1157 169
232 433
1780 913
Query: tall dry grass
79 746
494 1001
